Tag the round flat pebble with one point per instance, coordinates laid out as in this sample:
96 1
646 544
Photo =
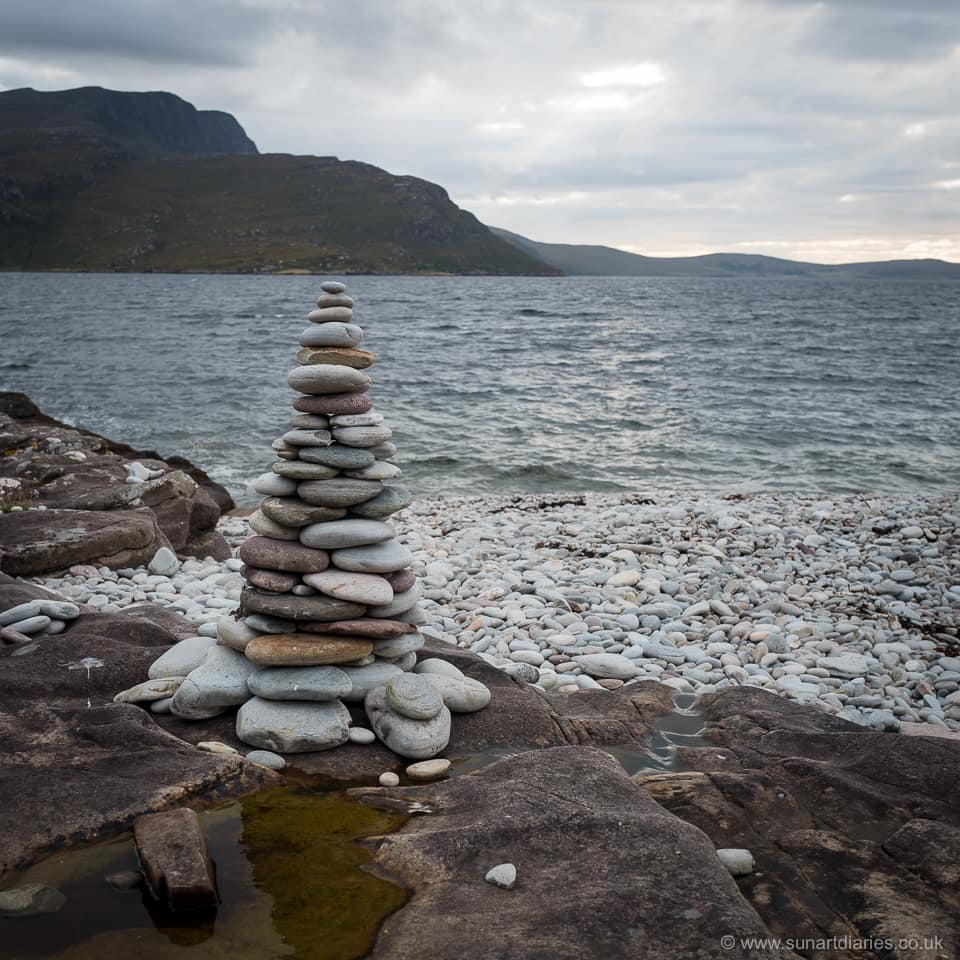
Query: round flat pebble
428 769
266 758
361 735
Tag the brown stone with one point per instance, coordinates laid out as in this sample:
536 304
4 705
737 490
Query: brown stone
364 627
304 650
42 541
174 859
288 606
269 554
401 580
334 404
343 356
276 581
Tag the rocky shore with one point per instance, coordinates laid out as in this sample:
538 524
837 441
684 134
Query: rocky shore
816 638
69 496
850 603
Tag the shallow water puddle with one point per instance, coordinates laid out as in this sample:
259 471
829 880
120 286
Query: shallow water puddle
681 727
290 878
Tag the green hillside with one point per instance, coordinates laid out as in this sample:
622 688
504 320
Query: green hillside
147 183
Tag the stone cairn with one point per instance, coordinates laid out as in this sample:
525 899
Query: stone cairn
329 614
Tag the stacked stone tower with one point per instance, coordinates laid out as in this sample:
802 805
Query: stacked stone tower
328 617
328 584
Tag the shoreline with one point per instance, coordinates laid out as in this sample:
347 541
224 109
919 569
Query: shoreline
848 603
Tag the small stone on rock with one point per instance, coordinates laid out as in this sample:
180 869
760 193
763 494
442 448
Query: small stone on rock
266 758
216 746
428 769
502 875
361 735
739 862
164 563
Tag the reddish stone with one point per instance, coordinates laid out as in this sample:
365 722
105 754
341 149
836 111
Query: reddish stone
276 581
401 580
362 627
334 404
269 554
305 650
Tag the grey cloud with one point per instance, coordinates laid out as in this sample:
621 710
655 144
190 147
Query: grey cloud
204 32
885 36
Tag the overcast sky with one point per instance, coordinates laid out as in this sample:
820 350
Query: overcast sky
821 131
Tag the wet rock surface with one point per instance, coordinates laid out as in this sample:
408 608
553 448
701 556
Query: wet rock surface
174 860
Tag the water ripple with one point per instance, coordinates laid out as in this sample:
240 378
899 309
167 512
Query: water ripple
510 385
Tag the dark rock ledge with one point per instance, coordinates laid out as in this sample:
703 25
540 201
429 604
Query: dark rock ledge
76 767
855 833
93 515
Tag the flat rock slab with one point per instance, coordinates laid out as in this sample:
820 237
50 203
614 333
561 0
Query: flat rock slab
855 833
174 859
70 777
75 766
73 469
34 542
603 870
169 620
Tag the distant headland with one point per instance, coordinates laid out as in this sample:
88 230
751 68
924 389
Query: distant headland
107 181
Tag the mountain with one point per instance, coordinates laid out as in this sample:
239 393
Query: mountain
599 261
157 122
94 179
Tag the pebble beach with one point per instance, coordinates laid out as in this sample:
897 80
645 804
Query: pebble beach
848 603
